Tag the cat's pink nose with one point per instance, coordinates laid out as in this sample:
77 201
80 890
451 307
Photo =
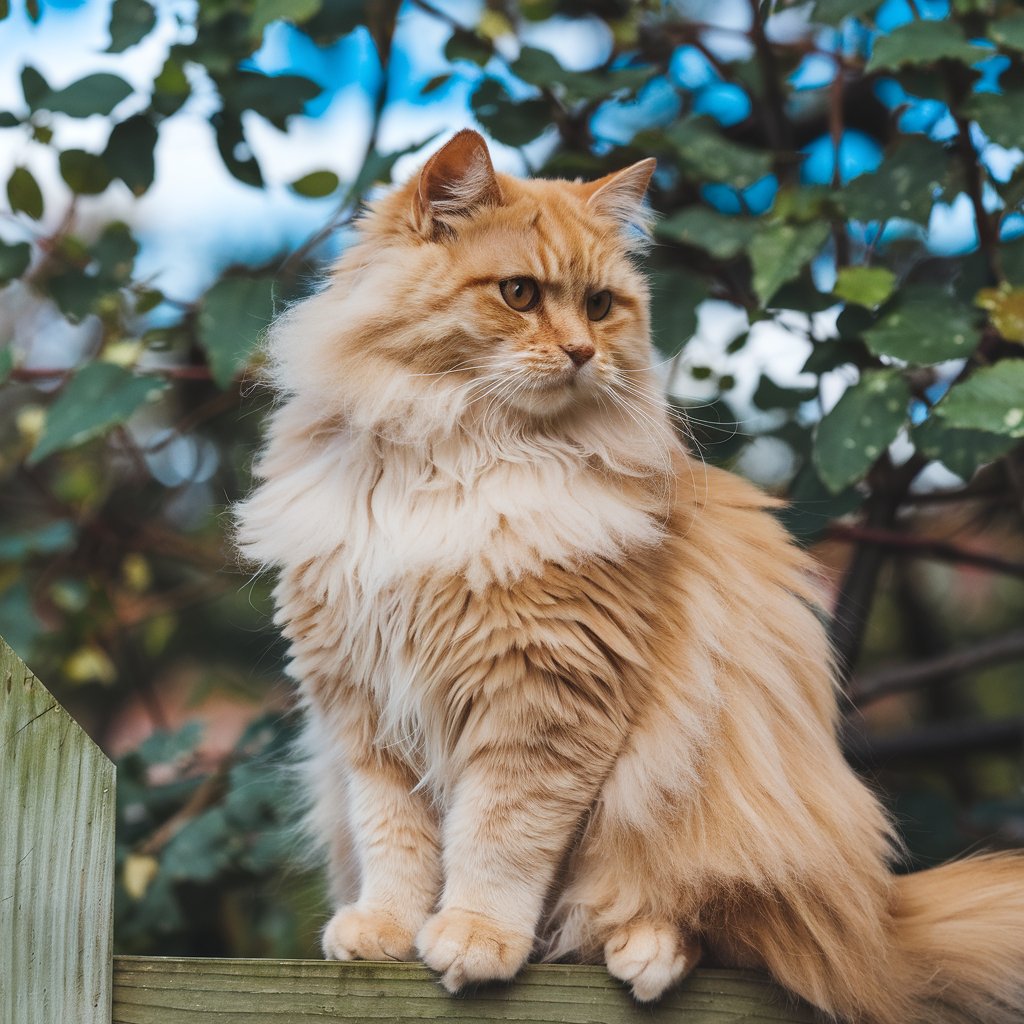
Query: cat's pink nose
580 353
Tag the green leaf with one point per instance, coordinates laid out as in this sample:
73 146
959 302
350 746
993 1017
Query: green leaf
129 152
675 296
170 88
832 12
232 318
378 166
960 451
541 68
1005 306
991 399
831 354
924 42
865 286
33 86
85 173
14 260
23 193
464 45
94 94
166 747
130 22
811 507
515 124
234 150
115 252
721 236
77 293
860 428
924 325
779 252
98 397
1008 31
316 185
267 11
770 395
15 546
275 97
911 178
998 115
706 155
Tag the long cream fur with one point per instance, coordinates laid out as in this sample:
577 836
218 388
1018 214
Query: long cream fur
567 690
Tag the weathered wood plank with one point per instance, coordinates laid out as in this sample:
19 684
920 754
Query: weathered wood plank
56 859
156 990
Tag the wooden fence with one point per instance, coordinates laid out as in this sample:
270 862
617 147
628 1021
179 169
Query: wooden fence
56 926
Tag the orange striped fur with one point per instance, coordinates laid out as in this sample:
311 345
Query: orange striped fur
567 689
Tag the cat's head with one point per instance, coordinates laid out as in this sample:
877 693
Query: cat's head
475 294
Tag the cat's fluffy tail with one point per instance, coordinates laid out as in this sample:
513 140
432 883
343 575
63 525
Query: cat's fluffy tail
960 937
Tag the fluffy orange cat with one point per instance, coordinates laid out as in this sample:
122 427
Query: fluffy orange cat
568 692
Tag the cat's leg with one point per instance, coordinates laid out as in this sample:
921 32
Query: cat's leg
515 810
390 830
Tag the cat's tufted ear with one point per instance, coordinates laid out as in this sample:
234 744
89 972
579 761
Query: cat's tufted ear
456 180
621 195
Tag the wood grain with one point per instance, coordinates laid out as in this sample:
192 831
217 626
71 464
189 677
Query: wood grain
149 990
56 859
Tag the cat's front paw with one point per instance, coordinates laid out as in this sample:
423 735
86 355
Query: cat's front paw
650 957
464 947
357 933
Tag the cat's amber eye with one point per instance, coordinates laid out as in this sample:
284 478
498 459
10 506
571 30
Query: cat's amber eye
598 305
521 293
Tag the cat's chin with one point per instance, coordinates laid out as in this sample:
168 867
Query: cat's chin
549 398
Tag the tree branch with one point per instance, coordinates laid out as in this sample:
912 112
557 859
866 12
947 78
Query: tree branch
934 741
900 678
924 547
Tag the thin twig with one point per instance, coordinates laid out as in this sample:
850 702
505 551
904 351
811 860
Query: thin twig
901 678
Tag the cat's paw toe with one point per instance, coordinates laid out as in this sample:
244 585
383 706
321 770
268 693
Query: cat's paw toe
650 957
357 933
464 947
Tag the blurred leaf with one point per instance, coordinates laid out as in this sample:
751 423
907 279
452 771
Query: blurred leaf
130 22
139 871
23 193
831 12
514 124
115 252
923 42
675 296
907 184
811 506
85 173
98 397
94 94
377 167
295 11
129 152
998 114
779 252
14 260
19 624
165 747
991 399
8 120
465 45
316 185
924 325
723 237
77 293
961 451
170 88
1005 306
234 150
17 545
861 426
705 154
202 849
866 286
770 395
6 365
1008 31
232 318
33 86
275 97
541 68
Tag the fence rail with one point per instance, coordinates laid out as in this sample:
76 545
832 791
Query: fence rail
56 926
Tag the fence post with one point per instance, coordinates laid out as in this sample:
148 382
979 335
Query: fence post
56 859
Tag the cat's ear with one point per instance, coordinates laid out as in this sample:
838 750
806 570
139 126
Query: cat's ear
456 180
620 195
